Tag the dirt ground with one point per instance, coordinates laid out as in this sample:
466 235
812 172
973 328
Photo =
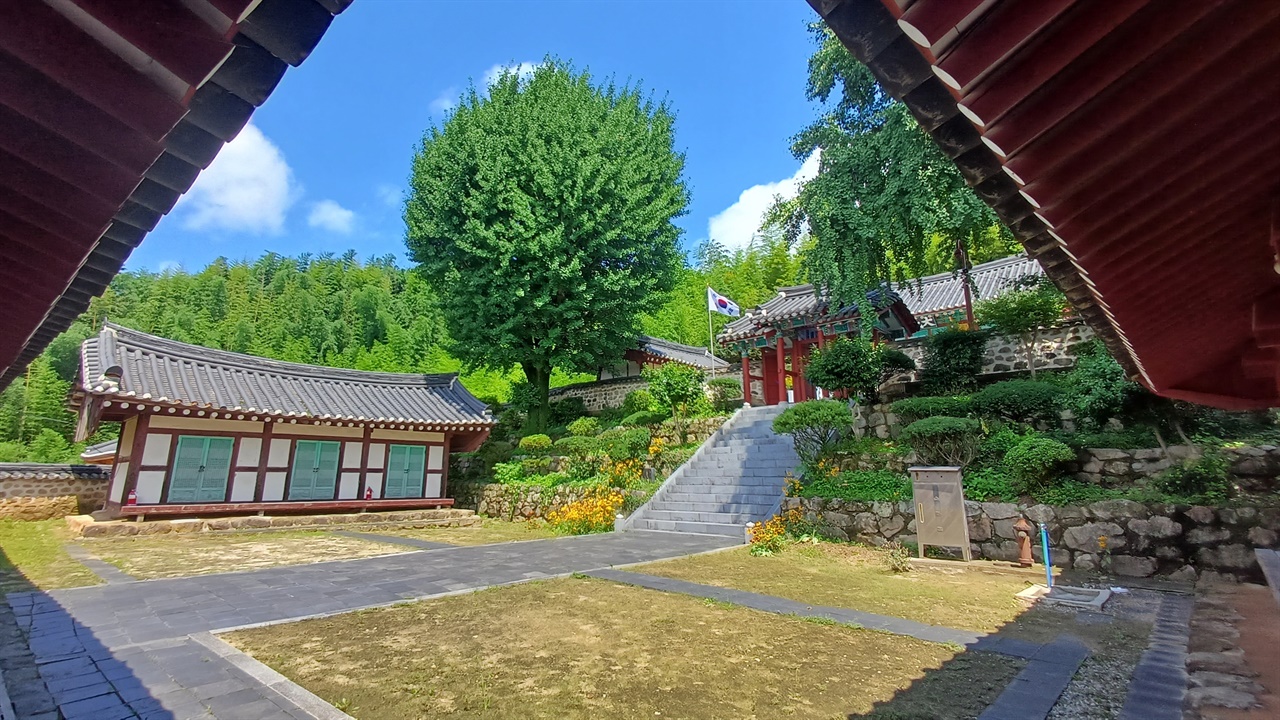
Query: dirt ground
584 648
153 557
484 533
853 576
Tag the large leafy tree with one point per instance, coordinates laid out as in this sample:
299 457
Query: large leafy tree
542 212
886 203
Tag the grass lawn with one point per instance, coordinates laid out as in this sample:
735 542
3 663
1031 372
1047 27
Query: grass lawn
32 558
149 557
585 648
484 533
853 576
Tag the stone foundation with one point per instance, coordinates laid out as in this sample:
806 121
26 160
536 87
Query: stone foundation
86 526
1054 351
1140 540
600 394
38 508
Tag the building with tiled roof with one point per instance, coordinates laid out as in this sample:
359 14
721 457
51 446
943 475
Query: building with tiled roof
940 297
656 351
206 430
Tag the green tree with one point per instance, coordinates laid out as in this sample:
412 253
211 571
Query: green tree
545 207
884 195
678 389
1023 313
49 446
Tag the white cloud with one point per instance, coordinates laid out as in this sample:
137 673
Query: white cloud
248 187
444 102
734 226
168 266
329 215
390 195
524 70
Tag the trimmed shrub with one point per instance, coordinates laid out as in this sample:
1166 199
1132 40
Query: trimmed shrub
1024 401
943 440
508 473
860 485
851 364
989 484
816 427
726 393
952 361
644 418
910 410
578 445
584 427
996 445
1035 461
535 443
625 443
637 401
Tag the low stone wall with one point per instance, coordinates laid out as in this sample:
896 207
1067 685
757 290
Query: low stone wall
1254 468
86 526
1140 539
1055 350
597 396
32 491
507 503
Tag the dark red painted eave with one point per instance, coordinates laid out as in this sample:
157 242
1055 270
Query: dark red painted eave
108 112
1131 146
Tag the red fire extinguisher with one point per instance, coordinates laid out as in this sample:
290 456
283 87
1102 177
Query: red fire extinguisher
368 493
133 497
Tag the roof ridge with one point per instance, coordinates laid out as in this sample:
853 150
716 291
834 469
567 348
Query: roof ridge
256 363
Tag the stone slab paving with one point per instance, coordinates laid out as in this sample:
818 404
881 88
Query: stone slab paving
393 540
126 650
109 573
1159 682
1036 689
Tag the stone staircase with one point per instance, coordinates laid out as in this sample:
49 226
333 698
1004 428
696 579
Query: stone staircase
736 477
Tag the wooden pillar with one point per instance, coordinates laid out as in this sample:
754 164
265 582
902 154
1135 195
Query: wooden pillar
140 429
798 382
364 462
746 378
781 355
264 457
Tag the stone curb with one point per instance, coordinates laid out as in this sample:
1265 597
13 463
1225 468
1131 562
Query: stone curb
1159 681
1036 689
299 696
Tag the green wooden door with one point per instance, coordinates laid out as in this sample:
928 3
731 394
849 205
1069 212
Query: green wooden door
405 467
201 467
315 470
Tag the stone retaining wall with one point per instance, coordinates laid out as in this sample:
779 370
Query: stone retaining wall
86 526
507 503
1254 468
1140 539
1055 350
30 491
597 396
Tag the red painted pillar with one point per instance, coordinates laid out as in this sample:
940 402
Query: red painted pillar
746 379
782 369
798 381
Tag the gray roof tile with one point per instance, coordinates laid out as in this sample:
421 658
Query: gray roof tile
42 471
935 294
128 364
698 357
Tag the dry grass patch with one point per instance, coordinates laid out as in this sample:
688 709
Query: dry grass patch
200 554
484 533
584 648
32 557
857 577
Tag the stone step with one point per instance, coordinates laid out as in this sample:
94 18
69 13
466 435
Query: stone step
740 472
722 496
743 479
753 508
696 528
719 518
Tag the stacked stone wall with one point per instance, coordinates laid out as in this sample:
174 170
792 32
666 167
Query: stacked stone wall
1119 536
506 502
597 396
32 497
1054 351
86 526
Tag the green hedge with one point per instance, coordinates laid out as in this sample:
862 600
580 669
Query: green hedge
816 427
860 485
944 440
919 408
1035 461
1019 401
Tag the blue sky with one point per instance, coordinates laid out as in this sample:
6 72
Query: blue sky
323 164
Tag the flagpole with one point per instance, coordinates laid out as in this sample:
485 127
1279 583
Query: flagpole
711 337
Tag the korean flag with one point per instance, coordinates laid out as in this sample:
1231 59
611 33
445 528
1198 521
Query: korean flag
721 304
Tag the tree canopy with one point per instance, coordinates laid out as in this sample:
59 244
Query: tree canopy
543 211
886 204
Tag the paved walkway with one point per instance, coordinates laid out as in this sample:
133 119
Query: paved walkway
125 650
107 572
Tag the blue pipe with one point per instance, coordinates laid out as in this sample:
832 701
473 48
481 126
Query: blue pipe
1044 543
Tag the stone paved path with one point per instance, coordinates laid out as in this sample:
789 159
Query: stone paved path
1159 682
109 573
125 650
393 540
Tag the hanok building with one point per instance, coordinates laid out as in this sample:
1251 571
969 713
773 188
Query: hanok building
786 329
209 431
938 301
656 351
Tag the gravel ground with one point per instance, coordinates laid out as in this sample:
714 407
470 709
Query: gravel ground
1118 637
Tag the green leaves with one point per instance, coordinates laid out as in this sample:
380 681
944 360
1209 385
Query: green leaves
545 208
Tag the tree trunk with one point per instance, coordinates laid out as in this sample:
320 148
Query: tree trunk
1030 346
540 411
